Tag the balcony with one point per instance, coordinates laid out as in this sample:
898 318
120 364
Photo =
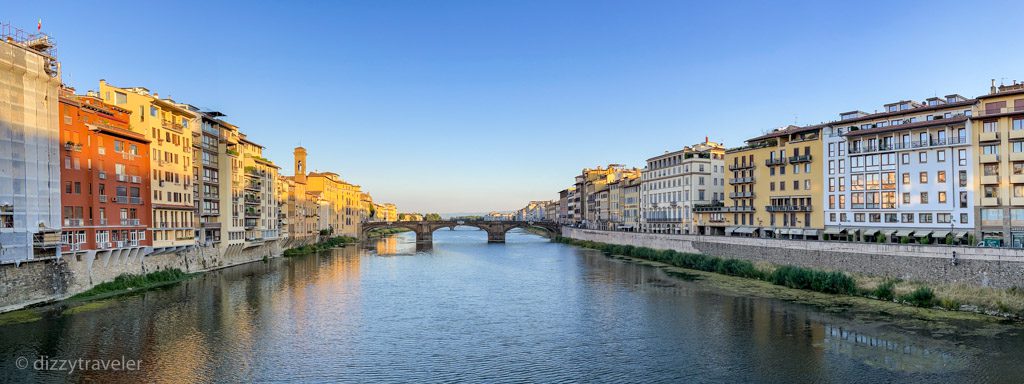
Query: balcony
1016 134
988 136
779 161
254 186
988 158
998 111
1017 201
990 201
741 180
1016 156
708 208
1017 179
173 126
129 222
135 179
789 208
739 208
800 159
122 177
103 198
103 221
103 175
990 179
739 166
741 195
73 222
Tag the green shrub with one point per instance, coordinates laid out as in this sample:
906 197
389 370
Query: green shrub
885 291
879 238
921 297
904 240
808 279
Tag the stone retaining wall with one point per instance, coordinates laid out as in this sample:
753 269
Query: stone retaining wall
49 280
991 267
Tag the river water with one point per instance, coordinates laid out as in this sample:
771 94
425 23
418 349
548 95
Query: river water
464 310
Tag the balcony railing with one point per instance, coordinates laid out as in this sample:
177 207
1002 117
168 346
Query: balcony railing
739 208
741 180
122 177
788 208
997 111
779 161
128 222
739 166
800 159
737 195
103 198
73 222
173 126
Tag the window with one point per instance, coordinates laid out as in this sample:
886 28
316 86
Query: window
905 158
940 156
922 157
992 215
152 111
924 197
1018 124
943 218
906 178
990 126
961 156
990 149
906 197
831 185
120 98
962 175
842 205
923 176
925 218
942 197
940 177
831 166
1018 190
907 217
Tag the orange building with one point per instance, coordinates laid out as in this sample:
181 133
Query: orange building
105 190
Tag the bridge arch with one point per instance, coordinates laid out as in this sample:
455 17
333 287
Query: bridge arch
495 229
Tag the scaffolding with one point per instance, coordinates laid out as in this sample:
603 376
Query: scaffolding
38 42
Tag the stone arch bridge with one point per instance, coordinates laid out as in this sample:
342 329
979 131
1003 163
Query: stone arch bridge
495 229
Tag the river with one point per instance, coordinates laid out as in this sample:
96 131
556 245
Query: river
526 311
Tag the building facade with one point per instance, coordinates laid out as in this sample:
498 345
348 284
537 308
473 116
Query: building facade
30 164
775 185
674 182
168 126
105 197
902 174
260 196
998 138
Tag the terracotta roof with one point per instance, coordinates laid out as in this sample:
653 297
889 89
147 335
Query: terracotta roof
900 127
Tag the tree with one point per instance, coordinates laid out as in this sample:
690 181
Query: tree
432 217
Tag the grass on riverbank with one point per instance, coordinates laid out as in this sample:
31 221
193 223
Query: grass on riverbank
385 231
1004 303
130 283
332 242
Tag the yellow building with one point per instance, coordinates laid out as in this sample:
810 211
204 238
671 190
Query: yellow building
260 194
299 206
169 126
775 185
593 187
998 127
339 200
385 212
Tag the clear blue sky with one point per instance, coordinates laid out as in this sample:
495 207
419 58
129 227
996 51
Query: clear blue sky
469 106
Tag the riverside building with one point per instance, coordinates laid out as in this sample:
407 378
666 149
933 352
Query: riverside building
998 138
902 174
775 185
674 182
168 126
30 208
104 179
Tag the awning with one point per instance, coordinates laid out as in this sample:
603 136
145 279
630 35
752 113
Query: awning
940 234
924 233
904 232
746 230
834 231
810 232
959 234
868 232
729 230
887 232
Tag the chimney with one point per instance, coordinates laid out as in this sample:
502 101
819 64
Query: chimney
993 88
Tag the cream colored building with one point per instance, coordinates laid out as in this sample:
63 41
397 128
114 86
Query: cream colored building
260 194
169 126
300 208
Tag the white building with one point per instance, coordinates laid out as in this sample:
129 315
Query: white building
902 173
674 182
30 210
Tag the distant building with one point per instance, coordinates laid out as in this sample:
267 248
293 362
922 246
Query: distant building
675 182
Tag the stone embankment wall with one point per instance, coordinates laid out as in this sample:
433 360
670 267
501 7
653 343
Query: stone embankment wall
49 280
990 267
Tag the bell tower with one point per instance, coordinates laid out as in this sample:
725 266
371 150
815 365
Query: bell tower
300 165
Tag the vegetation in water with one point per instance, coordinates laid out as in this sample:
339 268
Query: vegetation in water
129 282
332 242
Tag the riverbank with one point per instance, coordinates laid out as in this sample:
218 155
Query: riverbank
332 242
836 288
381 232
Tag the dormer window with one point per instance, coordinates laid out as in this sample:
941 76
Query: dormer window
892 108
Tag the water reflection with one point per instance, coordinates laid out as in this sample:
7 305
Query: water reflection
528 310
